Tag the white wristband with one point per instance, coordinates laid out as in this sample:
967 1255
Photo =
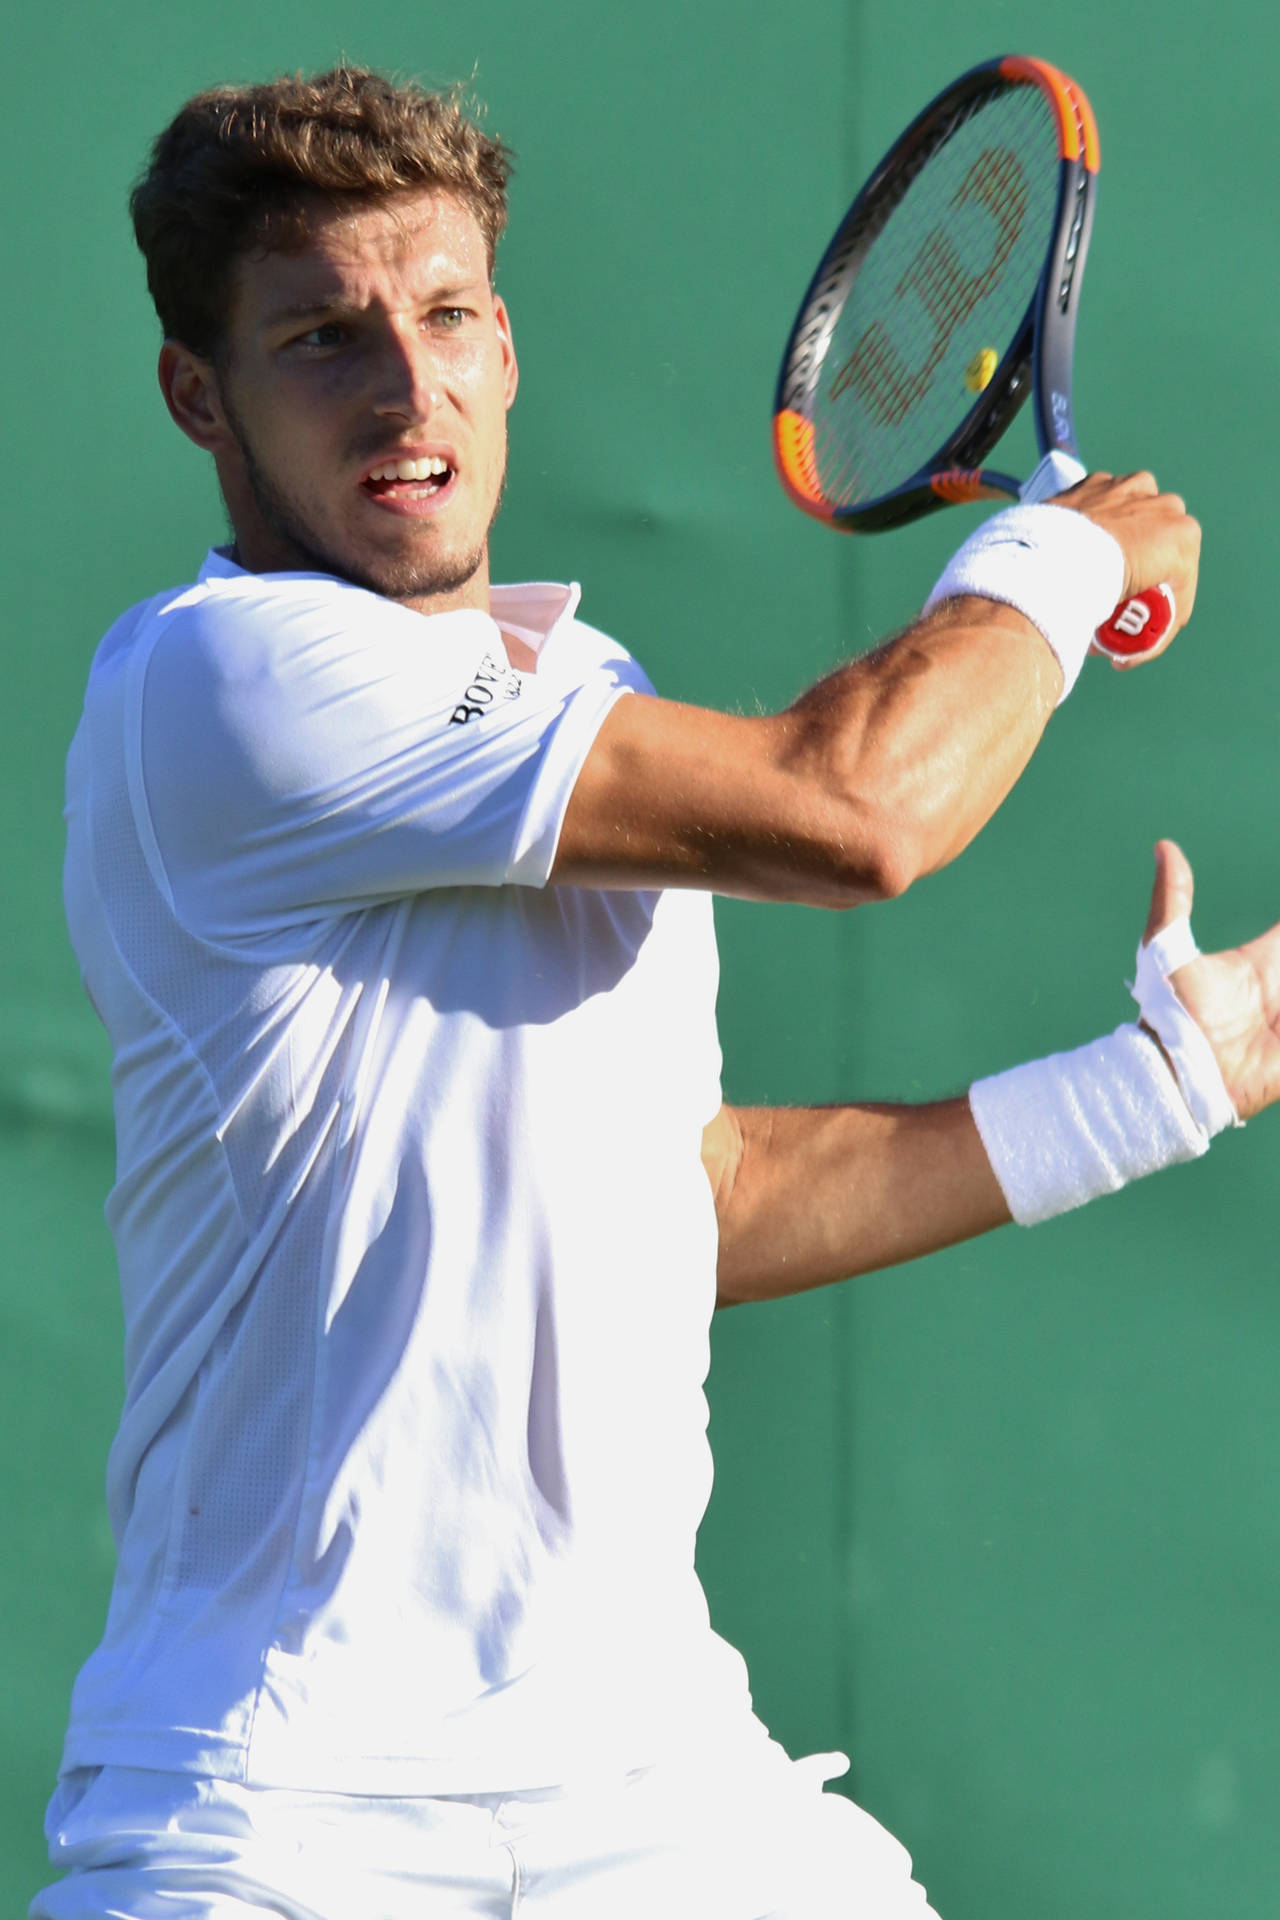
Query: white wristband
1054 565
1066 1129
1192 1058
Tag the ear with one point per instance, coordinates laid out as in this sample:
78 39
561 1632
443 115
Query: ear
190 390
511 371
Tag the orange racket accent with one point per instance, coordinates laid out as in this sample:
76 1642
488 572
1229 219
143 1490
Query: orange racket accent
955 485
796 462
1072 134
1089 127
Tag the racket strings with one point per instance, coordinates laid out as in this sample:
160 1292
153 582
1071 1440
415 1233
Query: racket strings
947 294
944 287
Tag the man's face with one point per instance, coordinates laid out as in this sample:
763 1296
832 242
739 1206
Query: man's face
364 388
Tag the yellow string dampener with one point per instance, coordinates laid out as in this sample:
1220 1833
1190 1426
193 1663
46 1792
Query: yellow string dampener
977 375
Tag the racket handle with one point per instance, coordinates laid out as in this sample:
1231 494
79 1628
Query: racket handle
1138 625
1056 472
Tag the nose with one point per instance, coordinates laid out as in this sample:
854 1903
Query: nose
406 381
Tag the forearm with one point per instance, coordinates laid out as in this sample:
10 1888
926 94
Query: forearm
806 1196
923 740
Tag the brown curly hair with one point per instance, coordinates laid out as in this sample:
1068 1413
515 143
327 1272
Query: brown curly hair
234 171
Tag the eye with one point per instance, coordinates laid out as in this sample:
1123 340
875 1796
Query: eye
450 319
328 334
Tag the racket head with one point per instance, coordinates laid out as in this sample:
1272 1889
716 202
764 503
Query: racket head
951 278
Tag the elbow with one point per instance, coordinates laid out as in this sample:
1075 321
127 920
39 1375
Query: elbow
896 860
860 822
877 859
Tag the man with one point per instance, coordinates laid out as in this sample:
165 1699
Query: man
392 890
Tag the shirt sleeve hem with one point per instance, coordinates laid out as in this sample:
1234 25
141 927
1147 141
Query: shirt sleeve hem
538 837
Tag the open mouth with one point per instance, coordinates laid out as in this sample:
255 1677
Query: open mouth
409 479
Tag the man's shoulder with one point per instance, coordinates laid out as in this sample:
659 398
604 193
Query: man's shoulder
230 626
226 598
232 620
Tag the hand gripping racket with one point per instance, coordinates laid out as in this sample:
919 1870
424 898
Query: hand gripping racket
947 295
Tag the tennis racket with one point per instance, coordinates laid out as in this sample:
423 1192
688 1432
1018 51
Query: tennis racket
949 294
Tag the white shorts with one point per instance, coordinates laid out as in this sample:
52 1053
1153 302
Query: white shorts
665 1843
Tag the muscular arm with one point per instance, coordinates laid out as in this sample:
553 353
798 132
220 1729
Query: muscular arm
805 1196
882 772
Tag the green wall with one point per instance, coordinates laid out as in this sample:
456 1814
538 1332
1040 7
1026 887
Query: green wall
1002 1523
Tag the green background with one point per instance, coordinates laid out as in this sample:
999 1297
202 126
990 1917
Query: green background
1002 1524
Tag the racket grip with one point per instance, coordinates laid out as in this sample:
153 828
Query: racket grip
1057 471
1138 624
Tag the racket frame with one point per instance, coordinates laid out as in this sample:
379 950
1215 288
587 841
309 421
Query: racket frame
1037 362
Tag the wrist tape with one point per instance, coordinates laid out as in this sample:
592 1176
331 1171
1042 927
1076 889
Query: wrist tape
1054 565
1064 1130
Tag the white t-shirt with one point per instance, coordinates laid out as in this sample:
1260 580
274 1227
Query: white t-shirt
416 1248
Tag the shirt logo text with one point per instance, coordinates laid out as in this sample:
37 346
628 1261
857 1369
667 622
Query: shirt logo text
494 680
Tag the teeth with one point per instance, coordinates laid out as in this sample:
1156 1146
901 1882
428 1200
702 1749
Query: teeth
411 469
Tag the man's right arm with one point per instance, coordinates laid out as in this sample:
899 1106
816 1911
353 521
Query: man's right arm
882 772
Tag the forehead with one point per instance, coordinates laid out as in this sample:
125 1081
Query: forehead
388 250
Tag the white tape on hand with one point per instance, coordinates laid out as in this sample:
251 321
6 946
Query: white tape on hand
1183 1039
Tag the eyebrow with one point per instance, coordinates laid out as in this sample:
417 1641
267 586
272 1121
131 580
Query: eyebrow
337 303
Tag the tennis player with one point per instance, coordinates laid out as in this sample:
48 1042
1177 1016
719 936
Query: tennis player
392 888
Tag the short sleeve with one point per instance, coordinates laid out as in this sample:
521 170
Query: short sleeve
305 749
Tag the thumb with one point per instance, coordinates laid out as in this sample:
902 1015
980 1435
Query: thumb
1172 891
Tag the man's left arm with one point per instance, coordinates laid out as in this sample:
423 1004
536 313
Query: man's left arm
805 1196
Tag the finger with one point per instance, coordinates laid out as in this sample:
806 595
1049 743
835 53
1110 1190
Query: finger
1187 578
1125 663
1181 578
1172 892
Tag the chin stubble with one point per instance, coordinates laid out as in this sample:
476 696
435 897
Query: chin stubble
282 517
